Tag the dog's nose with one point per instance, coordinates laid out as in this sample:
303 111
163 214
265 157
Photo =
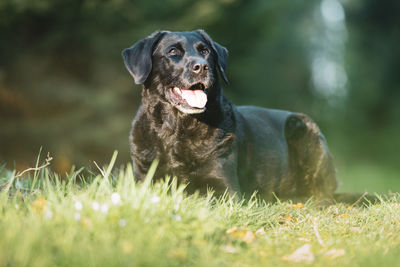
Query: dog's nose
200 66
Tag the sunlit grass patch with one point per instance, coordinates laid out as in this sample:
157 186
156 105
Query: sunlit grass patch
108 219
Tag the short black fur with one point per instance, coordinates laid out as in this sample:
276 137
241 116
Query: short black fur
222 146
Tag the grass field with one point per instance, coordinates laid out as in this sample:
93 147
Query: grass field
109 220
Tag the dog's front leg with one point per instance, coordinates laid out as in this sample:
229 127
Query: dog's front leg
228 173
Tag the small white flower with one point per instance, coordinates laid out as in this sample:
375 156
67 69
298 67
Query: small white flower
115 198
177 205
49 214
122 223
16 206
77 216
78 205
155 199
104 208
95 205
18 184
177 217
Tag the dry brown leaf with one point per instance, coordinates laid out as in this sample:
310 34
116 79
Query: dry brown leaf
126 247
241 234
249 237
230 249
355 229
334 253
286 219
232 230
302 254
261 231
87 223
39 205
298 206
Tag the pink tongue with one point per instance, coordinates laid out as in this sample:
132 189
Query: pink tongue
195 98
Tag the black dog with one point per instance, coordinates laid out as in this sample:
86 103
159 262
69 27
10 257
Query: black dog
187 123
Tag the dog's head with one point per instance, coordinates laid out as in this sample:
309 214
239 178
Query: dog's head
181 66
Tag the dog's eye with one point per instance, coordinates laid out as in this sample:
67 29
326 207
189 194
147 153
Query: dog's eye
173 51
204 52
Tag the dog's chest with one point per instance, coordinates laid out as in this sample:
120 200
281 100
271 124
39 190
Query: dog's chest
185 148
193 149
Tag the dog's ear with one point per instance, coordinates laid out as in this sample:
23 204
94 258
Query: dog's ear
220 51
137 58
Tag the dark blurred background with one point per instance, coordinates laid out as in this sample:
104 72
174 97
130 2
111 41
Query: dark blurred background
63 85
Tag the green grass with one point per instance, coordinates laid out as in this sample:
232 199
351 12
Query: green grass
109 220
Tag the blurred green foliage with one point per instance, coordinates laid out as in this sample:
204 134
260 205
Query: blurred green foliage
63 85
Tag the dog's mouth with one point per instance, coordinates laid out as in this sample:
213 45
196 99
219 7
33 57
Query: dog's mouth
190 100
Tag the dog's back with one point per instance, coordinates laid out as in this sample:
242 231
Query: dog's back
290 150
